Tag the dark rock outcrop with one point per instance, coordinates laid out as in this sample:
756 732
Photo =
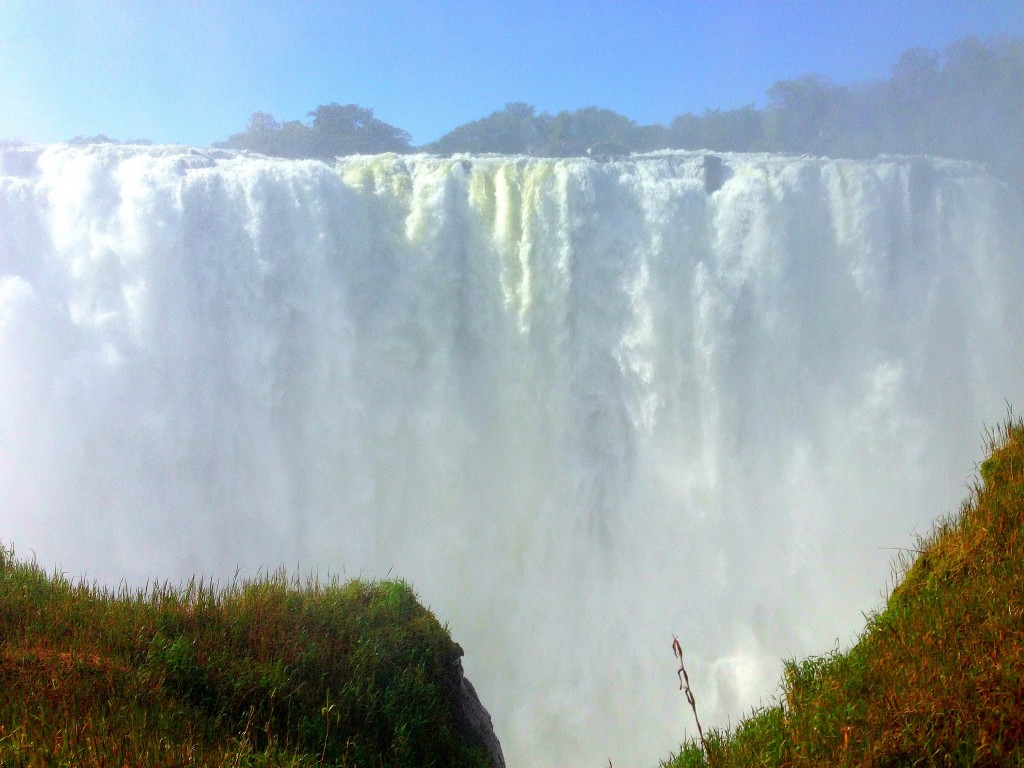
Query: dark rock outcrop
472 719
608 150
714 173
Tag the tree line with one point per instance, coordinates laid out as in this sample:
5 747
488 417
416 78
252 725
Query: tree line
966 102
335 129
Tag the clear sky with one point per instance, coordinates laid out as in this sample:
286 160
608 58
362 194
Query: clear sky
193 72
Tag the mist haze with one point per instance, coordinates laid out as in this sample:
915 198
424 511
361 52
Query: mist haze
583 404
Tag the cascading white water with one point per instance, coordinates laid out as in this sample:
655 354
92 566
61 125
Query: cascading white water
581 406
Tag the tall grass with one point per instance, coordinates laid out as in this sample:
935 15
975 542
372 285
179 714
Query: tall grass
937 677
269 672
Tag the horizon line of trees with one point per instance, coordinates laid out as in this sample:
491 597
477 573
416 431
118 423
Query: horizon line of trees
335 129
966 102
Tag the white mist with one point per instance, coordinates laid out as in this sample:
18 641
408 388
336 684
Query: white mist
582 407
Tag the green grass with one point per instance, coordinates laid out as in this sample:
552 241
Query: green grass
937 677
271 672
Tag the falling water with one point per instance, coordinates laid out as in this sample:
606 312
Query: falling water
581 406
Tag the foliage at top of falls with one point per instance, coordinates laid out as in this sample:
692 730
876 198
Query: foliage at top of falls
966 102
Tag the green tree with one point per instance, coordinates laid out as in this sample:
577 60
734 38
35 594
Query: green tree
267 136
735 130
571 134
346 129
805 115
335 130
516 129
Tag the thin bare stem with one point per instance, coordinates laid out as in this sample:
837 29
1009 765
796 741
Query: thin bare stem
684 685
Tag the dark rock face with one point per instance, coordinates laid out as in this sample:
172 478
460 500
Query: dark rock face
473 719
714 173
608 150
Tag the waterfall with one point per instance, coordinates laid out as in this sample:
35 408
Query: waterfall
582 406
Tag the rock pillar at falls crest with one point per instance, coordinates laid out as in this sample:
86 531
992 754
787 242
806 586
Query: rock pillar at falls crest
582 406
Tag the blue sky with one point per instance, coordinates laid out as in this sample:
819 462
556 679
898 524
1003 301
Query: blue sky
193 72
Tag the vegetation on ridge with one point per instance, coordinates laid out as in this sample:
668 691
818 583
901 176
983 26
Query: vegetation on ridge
965 102
271 672
937 678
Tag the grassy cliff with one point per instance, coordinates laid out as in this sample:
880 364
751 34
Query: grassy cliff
276 672
937 677
272 672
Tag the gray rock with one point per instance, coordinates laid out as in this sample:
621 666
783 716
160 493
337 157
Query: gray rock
473 719
714 173
608 150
